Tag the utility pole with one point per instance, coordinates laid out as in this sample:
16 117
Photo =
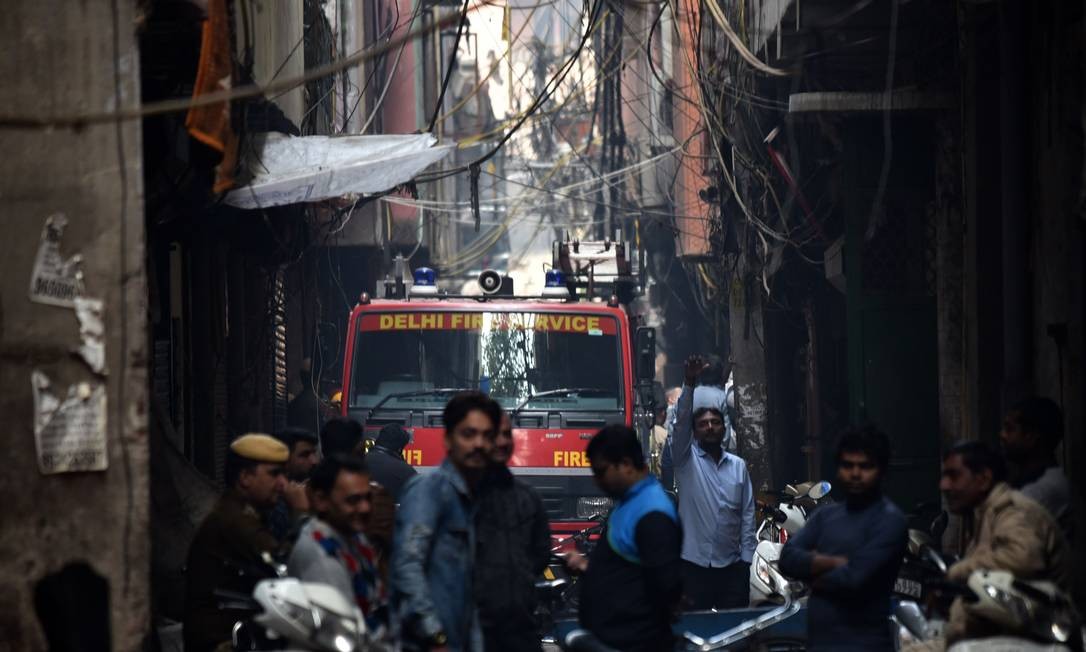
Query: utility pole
73 371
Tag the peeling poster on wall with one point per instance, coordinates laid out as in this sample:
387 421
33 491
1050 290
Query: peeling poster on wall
54 280
91 331
70 434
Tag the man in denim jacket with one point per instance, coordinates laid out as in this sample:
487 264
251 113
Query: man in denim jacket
434 541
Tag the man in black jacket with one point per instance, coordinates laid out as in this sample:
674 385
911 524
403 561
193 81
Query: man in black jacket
513 547
385 460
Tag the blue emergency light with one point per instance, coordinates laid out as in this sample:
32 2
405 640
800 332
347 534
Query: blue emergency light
425 282
555 285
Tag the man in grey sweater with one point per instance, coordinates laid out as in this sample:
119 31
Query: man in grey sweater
332 547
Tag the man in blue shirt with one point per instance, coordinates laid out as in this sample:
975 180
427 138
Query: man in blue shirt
850 552
716 504
631 584
715 391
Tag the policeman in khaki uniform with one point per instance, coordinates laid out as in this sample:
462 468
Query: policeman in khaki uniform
232 539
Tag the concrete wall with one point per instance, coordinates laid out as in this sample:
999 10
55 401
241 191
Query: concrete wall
277 54
59 57
1056 250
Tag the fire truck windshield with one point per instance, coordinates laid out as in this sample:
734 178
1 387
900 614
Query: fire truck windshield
517 357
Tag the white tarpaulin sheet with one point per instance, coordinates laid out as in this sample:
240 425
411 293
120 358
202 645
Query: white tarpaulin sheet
289 170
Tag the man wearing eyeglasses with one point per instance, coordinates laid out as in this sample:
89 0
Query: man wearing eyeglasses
716 504
630 586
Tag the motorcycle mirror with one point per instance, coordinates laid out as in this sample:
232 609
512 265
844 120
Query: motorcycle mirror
939 525
819 490
645 338
934 557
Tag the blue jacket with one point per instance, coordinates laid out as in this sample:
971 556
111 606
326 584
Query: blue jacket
432 560
643 498
632 586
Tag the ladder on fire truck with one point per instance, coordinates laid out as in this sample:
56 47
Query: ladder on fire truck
601 268
605 269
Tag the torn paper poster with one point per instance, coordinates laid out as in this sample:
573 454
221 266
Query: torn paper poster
71 434
54 280
93 349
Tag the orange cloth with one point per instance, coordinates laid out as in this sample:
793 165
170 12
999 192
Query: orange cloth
210 124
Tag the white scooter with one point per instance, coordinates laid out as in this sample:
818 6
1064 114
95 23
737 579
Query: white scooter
289 614
778 524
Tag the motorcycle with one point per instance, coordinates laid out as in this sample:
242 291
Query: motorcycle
558 593
1036 615
919 568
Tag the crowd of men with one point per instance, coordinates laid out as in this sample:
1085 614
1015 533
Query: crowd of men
448 560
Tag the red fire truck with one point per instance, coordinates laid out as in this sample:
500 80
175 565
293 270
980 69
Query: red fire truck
563 365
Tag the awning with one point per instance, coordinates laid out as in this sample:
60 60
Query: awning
290 170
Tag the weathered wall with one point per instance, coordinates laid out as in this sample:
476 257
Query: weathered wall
1024 330
64 57
1057 240
276 29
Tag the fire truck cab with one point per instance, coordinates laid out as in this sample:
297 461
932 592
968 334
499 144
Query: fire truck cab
562 365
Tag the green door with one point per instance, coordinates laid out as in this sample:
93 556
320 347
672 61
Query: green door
890 268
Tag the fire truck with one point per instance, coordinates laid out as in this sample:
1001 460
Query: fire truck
563 364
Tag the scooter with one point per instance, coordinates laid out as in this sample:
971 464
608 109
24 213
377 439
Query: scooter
1035 615
777 526
1038 614
790 606
579 640
288 614
795 505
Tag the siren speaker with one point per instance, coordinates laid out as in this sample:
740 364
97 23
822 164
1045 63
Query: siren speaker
490 282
